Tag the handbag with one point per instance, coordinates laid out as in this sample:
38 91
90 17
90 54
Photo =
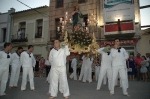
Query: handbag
129 69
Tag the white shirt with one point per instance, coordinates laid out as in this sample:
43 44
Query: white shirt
119 59
106 60
87 61
58 57
4 61
27 61
15 60
97 68
47 62
74 62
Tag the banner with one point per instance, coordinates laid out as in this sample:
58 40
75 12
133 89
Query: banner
118 9
122 42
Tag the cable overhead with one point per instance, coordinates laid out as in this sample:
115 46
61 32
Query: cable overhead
43 14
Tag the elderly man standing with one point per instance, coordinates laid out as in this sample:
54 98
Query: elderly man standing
15 68
119 57
5 59
28 62
57 58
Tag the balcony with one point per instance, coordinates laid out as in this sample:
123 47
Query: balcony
119 29
16 39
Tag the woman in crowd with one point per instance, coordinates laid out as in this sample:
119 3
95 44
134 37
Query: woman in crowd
42 66
37 66
131 64
143 69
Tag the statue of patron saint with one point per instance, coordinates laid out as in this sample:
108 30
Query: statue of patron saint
77 15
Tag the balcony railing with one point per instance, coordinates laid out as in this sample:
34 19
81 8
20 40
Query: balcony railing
22 38
37 35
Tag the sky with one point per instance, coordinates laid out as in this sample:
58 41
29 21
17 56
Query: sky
5 5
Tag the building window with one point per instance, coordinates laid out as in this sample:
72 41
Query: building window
57 24
81 1
3 35
39 28
22 30
85 17
59 3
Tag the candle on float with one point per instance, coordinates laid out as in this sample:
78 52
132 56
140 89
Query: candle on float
87 30
66 17
65 22
62 27
61 20
70 20
96 22
88 20
66 13
58 28
83 23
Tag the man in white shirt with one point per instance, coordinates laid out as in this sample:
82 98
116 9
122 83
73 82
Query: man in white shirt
28 62
15 68
87 75
57 58
119 57
74 66
105 66
5 59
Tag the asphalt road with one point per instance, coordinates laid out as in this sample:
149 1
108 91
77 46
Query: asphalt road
78 90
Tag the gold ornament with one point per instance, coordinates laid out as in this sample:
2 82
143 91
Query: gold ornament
93 47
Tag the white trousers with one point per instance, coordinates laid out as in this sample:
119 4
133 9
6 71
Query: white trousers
3 80
58 77
102 77
96 75
81 73
48 78
123 77
15 72
74 74
127 84
105 80
27 71
87 75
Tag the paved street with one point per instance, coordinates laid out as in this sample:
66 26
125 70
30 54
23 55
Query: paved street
78 90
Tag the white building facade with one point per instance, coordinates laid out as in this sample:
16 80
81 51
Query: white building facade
5 27
34 30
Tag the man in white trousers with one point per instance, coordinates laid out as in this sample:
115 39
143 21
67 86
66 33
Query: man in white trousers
57 58
87 75
82 68
28 62
105 66
119 56
74 66
5 59
15 68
